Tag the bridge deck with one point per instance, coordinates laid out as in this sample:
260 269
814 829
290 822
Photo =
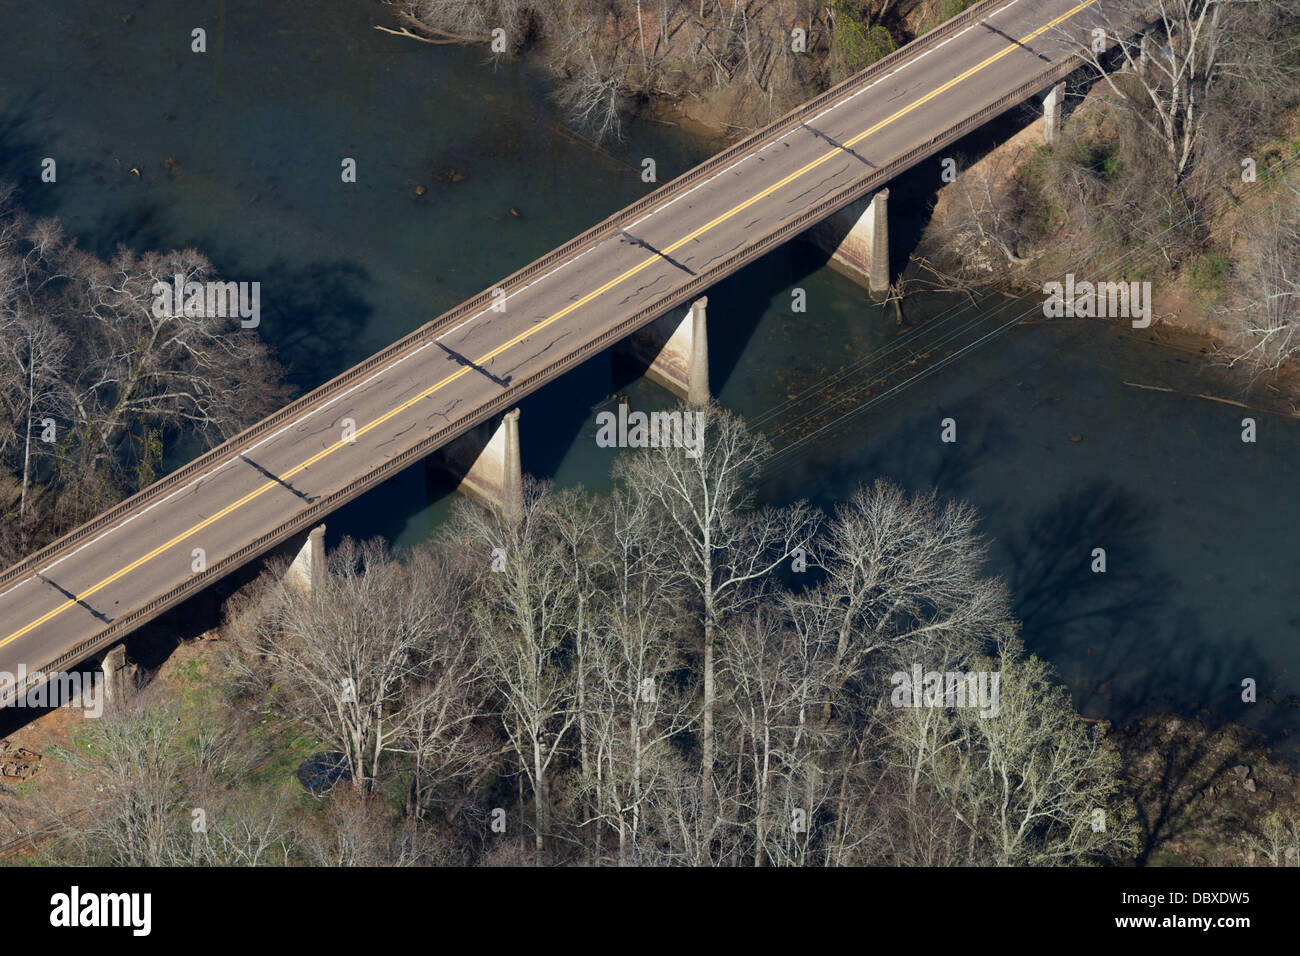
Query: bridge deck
238 500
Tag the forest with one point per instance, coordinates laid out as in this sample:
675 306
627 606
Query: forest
664 675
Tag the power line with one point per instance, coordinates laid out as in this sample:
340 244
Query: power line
783 458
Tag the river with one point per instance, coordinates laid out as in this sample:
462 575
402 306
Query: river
466 171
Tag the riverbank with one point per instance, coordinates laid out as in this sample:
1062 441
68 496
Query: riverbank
991 228
731 68
1200 795
1208 796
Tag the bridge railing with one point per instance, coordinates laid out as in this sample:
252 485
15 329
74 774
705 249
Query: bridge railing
513 393
467 308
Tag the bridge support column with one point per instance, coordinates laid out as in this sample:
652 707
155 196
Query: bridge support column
675 352
857 240
309 563
489 462
119 677
877 221
1052 104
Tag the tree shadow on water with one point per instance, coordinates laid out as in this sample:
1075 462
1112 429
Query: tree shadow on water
20 155
1135 653
315 316
1125 639
912 454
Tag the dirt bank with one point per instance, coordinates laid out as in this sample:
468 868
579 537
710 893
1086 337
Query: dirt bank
1207 797
730 67
982 234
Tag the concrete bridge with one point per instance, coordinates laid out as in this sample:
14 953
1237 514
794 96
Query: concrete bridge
457 378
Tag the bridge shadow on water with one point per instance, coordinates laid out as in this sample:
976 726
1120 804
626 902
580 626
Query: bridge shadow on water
561 413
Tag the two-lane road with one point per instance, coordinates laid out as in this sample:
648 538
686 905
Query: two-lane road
77 594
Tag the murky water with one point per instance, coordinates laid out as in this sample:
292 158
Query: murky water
238 153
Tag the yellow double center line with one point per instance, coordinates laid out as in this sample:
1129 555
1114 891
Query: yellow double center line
484 359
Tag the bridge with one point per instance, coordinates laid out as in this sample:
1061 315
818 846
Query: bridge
459 373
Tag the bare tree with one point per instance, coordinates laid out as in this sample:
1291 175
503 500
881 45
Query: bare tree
448 751
577 520
84 345
244 832
1278 839
979 234
592 93
612 55
357 829
133 773
725 549
903 577
1267 286
774 685
341 659
469 20
639 701
444 702
150 777
35 356
1164 80
1035 784
525 618
148 373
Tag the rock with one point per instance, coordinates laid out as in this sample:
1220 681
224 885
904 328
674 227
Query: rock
1241 771
1250 785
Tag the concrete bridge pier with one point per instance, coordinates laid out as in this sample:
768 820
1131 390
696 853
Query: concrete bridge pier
119 676
857 240
675 352
1052 104
308 566
488 464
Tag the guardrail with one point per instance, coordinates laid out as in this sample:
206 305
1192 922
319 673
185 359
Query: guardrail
513 393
